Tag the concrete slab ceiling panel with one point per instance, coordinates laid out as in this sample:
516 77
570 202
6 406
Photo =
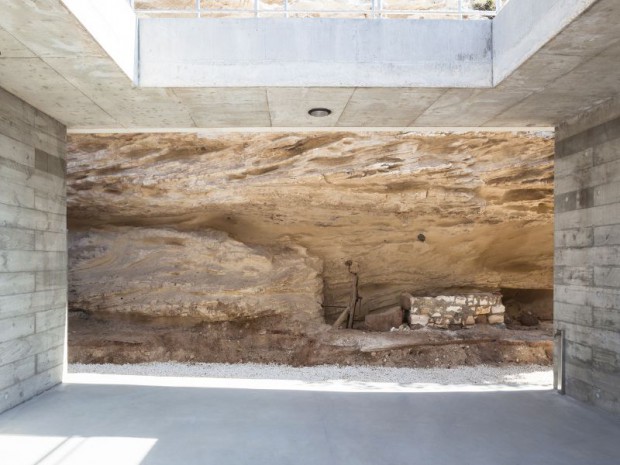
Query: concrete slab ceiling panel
248 119
13 48
613 51
591 35
242 99
468 107
251 72
213 107
289 106
581 81
144 107
538 108
94 73
524 27
47 29
47 89
586 85
387 107
487 104
536 74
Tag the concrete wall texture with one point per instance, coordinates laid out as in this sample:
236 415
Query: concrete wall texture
587 255
320 52
33 251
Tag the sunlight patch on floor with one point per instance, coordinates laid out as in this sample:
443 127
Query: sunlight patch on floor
521 382
74 450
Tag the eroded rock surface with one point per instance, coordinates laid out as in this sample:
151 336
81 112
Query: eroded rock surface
205 276
484 202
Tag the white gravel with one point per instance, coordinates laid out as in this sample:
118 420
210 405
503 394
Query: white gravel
534 376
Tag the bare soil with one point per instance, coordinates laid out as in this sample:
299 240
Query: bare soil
138 340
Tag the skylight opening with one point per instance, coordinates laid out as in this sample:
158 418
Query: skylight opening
350 9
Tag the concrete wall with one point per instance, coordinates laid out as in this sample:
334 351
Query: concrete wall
587 254
314 52
33 251
522 28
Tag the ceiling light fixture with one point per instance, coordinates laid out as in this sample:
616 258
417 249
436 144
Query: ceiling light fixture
319 112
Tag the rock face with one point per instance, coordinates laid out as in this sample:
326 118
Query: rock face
484 202
537 302
384 319
143 272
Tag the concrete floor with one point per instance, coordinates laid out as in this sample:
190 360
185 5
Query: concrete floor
128 424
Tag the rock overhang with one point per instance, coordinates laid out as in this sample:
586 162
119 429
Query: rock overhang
484 201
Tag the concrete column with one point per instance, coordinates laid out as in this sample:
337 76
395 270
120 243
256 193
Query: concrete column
587 254
33 251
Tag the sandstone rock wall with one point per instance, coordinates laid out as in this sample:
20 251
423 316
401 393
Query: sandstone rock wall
484 202
206 275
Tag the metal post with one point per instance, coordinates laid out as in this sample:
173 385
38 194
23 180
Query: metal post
286 8
256 8
559 375
198 8
380 9
460 9
373 9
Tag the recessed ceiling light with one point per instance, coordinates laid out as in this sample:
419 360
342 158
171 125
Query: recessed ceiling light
319 112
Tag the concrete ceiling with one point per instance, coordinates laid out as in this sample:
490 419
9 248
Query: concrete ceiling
48 59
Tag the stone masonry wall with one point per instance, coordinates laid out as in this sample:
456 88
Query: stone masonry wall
33 251
461 310
587 254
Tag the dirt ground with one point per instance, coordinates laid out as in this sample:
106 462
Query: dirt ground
131 340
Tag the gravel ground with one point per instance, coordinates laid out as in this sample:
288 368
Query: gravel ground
482 375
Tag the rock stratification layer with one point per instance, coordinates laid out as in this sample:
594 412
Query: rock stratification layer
207 276
482 202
